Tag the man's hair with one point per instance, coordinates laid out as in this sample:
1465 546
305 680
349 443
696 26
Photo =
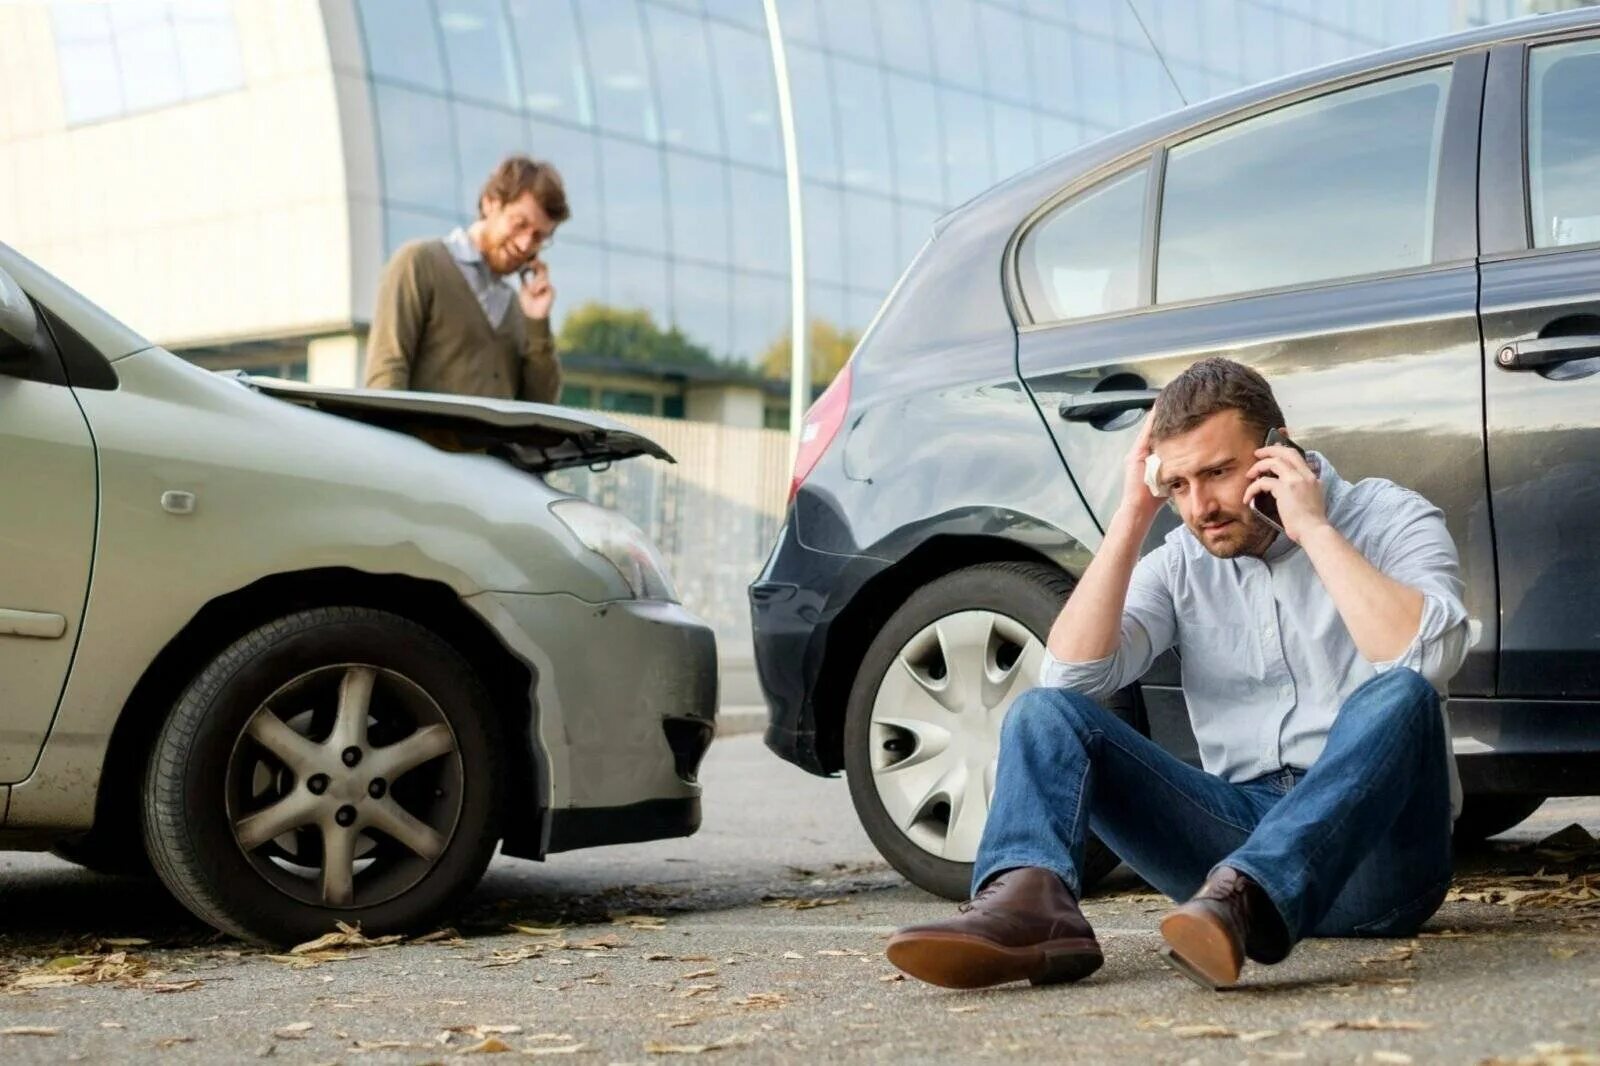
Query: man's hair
1209 387
518 175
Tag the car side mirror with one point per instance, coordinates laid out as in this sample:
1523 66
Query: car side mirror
18 320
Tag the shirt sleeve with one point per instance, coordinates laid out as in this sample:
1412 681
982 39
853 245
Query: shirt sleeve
541 369
1419 553
397 319
1149 627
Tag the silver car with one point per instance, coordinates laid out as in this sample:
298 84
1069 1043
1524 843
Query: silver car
312 653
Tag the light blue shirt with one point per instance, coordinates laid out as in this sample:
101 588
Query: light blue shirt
1267 660
493 294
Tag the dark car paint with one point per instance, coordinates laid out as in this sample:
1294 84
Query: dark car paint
941 443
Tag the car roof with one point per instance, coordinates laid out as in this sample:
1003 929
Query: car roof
1039 181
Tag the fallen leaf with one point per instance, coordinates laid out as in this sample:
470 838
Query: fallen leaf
1192 1032
1365 1025
30 1030
478 1032
174 1041
1564 953
125 942
640 922
697 975
657 956
343 936
385 1045
112 1025
795 903
762 1000
654 1048
842 953
438 935
166 987
963 1010
793 955
1395 1058
294 1031
492 1045
607 942
570 1049
538 930
893 977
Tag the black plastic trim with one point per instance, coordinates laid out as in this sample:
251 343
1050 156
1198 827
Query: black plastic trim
86 366
590 827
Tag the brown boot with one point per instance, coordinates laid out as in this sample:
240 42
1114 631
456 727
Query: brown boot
1207 937
1022 925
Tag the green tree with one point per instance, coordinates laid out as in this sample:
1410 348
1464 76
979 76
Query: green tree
830 346
632 335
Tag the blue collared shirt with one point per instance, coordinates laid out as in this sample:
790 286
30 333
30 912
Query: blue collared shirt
1267 660
493 294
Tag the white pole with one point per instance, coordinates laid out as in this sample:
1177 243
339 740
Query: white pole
800 348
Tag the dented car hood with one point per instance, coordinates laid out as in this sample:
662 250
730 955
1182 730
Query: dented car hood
532 436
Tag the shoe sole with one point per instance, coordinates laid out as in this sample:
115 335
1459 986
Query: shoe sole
955 960
1201 950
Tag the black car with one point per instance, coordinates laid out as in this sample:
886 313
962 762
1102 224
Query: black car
1406 245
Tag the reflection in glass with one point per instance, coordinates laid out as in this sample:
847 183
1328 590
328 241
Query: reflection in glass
1015 149
823 213
851 30
869 241
419 167
810 88
1563 148
800 21
914 117
1005 52
701 298
749 98
401 225
577 270
635 209
863 125
555 79
1083 258
401 44
1334 187
688 99
622 93
907 45
760 221
477 50
697 203
967 166
484 136
741 11
955 31
575 155
760 314
638 282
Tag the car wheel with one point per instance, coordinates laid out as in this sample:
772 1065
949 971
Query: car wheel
339 764
922 726
1484 816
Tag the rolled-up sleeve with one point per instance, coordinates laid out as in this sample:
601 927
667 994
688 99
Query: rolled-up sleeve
1419 553
1149 627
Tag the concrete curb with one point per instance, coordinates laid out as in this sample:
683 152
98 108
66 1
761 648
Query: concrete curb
737 720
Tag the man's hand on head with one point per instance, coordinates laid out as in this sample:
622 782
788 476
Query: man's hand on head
1138 503
536 295
1284 473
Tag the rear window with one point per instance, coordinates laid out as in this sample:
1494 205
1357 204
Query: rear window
1338 186
1082 259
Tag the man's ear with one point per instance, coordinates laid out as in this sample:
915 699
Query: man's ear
487 205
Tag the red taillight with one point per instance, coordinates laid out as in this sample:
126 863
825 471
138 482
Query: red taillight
820 427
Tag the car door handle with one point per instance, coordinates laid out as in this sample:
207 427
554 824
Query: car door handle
1546 351
1091 405
41 625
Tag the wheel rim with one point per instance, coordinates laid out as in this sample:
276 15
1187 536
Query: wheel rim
345 786
935 730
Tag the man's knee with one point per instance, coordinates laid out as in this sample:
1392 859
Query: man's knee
1400 691
1043 713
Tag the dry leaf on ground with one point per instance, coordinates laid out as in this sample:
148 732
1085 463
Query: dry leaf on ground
492 1045
1394 1058
795 903
569 1049
1549 1054
343 936
1191 1032
1364 1025
655 1048
640 922
608 942
30 1030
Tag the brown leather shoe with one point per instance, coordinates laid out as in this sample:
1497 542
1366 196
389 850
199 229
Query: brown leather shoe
1209 937
1022 925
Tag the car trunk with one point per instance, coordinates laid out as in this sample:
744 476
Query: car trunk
535 437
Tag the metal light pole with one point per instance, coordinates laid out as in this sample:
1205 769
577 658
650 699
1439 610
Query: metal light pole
800 347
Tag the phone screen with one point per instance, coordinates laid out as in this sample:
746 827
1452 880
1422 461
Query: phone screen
1263 503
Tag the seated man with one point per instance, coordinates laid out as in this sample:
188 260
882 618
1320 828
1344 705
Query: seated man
1313 664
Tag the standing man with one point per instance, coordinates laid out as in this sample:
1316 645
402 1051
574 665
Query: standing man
448 320
1315 650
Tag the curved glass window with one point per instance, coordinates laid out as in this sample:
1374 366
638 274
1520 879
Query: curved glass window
635 207
576 157
419 167
906 44
484 136
749 96
478 51
811 89
697 198
624 102
402 44
863 110
689 116
760 221
1083 258
555 78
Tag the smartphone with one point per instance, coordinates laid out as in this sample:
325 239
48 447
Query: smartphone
1262 503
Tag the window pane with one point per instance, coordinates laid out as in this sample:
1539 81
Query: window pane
869 241
1094 66
863 125
577 270
635 210
740 11
906 44
575 155
484 136
414 140
400 226
1563 146
88 62
914 111
860 311
851 31
555 79
955 31
749 98
760 314
623 101
477 49
800 21
811 90
760 221
147 54
823 212
1083 258
1334 187
639 282
208 48
1005 51
697 199
400 41
700 305
1057 135
688 99
1050 52
967 167
1014 147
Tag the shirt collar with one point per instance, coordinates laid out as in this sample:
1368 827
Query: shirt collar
462 249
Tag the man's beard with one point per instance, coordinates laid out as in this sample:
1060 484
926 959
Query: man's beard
1246 535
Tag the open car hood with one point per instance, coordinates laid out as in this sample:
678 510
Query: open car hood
532 436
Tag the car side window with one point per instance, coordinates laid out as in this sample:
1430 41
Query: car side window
1564 143
1082 259
1333 187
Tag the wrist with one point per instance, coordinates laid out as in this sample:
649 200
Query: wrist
1133 518
1320 534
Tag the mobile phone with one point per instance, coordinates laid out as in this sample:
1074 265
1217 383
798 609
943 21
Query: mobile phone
1262 503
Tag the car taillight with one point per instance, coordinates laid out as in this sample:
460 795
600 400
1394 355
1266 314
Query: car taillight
820 427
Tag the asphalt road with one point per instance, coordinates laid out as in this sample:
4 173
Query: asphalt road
760 940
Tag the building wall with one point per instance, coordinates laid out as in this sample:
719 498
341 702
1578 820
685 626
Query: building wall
185 168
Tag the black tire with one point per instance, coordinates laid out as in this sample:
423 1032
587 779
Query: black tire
1484 816
188 827
1029 593
119 854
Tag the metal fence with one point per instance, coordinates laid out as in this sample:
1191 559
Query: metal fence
714 513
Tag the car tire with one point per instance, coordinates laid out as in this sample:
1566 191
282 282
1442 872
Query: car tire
339 764
1027 597
1485 815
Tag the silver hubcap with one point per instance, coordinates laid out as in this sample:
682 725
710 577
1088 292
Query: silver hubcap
935 731
345 786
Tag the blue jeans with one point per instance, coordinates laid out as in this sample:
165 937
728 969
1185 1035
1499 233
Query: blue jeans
1356 845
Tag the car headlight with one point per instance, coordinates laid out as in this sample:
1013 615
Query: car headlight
621 543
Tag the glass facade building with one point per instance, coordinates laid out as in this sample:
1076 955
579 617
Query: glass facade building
663 116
